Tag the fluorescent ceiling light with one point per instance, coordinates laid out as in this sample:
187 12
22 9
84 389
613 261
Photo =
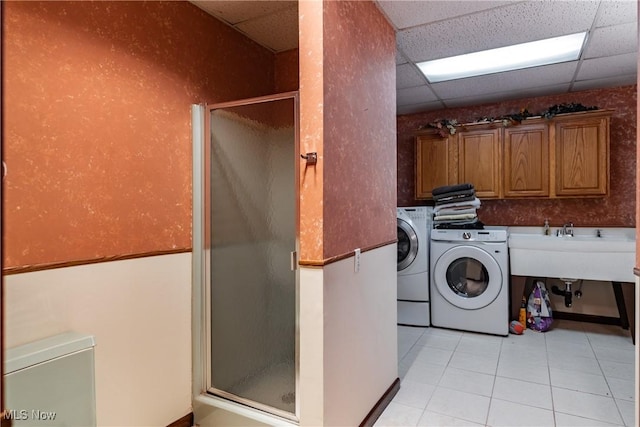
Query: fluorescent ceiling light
515 57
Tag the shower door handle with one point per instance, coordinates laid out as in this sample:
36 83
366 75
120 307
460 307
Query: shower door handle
294 261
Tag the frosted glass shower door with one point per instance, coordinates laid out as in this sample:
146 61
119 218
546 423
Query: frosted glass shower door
252 235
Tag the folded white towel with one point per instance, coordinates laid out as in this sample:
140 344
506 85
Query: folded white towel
457 211
475 203
454 217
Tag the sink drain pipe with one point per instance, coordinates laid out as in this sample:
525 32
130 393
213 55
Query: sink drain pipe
566 293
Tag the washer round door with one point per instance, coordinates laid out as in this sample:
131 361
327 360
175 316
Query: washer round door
468 277
407 244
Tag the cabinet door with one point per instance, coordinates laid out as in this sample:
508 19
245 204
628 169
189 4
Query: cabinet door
526 161
434 160
582 156
479 161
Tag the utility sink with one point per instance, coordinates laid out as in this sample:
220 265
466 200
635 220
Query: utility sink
606 254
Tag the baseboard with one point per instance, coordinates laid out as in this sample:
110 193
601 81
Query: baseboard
590 318
186 421
381 405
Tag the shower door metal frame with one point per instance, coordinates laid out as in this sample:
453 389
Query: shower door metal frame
202 262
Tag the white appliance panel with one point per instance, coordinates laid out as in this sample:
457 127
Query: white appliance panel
414 225
469 280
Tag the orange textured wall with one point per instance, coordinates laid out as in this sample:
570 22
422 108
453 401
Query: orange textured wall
347 116
359 128
286 71
618 209
310 23
97 125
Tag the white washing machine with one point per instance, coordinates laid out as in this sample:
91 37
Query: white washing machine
470 280
414 225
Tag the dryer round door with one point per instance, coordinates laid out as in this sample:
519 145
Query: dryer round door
407 244
468 277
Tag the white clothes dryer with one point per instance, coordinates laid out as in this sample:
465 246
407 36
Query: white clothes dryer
414 225
470 280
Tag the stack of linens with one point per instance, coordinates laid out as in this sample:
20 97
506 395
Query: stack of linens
456 207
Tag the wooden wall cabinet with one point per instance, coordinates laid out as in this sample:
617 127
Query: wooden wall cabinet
436 163
566 156
581 155
479 153
526 160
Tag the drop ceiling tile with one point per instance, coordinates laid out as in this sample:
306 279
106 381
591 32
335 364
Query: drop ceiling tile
408 76
419 108
609 66
613 40
400 59
405 14
617 12
616 81
278 32
519 23
414 95
503 96
234 12
518 80
538 91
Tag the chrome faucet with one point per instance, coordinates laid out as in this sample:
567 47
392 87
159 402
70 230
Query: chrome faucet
567 229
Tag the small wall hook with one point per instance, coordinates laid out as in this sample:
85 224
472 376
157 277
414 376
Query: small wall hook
311 158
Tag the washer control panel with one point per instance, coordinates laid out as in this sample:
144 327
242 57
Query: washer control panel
493 234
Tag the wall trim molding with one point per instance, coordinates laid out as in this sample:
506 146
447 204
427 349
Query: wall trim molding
381 404
331 260
61 264
186 421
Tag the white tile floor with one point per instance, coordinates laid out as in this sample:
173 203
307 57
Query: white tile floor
577 374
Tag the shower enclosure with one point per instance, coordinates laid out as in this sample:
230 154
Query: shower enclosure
246 224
